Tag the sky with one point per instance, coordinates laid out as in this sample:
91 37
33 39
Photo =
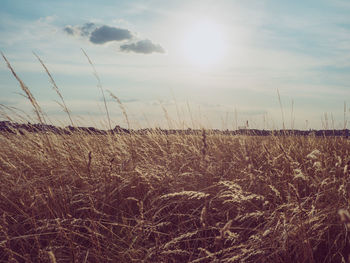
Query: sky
180 64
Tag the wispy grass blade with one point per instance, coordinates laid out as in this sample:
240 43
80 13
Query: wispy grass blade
121 105
28 93
55 87
99 85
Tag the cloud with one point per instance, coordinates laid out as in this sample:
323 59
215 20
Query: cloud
69 30
87 28
142 46
98 34
105 34
102 34
83 31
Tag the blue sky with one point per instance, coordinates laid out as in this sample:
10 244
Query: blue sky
141 52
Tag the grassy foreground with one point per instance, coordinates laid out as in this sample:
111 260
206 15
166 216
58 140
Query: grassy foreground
159 198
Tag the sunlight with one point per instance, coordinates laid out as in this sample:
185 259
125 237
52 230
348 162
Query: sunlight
204 44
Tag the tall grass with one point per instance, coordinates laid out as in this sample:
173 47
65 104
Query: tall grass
173 198
99 85
56 89
29 95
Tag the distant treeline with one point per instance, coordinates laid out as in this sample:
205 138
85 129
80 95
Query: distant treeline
20 128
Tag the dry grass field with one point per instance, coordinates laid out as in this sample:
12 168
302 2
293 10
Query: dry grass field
172 198
155 197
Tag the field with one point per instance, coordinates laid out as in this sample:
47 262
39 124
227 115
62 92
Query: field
173 198
83 195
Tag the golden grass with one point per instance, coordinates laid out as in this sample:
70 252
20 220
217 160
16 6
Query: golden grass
250 199
172 198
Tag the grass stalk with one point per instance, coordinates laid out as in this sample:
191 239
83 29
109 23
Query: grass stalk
29 95
56 89
99 85
281 107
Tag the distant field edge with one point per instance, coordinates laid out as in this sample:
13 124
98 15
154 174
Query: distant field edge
21 128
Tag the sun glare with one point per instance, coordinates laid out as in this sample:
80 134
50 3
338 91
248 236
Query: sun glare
204 44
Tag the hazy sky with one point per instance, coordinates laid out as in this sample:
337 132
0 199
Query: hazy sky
220 62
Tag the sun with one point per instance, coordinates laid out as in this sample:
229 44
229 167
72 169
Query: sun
204 44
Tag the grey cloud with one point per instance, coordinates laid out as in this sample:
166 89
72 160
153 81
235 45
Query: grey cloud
105 34
84 30
98 34
87 28
69 30
143 46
